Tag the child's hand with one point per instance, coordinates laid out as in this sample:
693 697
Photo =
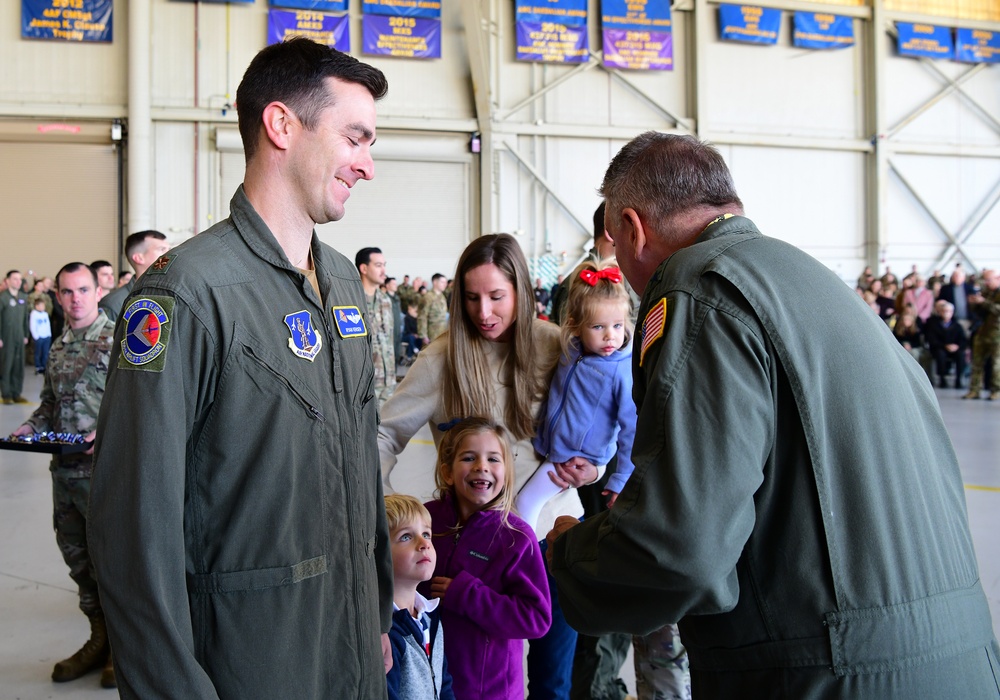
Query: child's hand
612 497
439 586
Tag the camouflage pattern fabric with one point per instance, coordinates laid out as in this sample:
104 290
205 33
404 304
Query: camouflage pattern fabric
661 666
986 344
70 497
381 324
432 317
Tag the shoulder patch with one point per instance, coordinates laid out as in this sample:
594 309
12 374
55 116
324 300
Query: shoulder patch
652 327
350 322
162 263
147 330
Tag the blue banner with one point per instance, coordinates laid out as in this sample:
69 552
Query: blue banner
67 20
977 46
924 40
404 37
750 24
572 13
318 5
549 42
639 15
429 9
221 2
331 30
636 50
818 30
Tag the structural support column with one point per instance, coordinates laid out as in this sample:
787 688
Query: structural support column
478 41
140 124
878 163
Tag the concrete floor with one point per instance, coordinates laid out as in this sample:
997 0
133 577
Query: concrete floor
40 622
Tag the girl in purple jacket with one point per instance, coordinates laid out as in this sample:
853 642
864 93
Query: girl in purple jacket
589 412
490 575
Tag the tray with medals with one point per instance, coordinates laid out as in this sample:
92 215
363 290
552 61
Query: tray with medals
50 443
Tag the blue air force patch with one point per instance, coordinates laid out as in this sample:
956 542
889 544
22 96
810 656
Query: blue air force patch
305 342
145 338
350 322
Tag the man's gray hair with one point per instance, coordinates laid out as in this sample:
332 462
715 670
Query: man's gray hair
660 175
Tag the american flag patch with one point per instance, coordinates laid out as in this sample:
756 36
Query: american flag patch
652 327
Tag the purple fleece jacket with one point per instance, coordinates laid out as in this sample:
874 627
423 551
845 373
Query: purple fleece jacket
498 597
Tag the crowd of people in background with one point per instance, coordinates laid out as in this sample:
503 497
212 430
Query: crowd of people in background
947 323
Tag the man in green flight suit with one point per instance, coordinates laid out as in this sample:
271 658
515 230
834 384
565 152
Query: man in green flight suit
14 313
237 521
71 398
803 551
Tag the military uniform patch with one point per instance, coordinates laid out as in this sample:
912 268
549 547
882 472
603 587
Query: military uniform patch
162 263
350 322
305 342
146 333
652 327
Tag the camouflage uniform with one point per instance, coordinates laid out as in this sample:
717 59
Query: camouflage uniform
661 666
432 317
71 399
986 345
381 322
46 299
408 296
14 310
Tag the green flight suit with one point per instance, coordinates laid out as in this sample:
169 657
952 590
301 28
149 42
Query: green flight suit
113 300
237 520
810 544
14 314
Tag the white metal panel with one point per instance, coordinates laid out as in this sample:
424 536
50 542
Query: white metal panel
784 90
61 72
174 180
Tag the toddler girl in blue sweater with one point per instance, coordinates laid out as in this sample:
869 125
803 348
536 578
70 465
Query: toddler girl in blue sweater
589 412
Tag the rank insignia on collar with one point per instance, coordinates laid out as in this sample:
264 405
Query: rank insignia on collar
652 327
350 322
306 341
145 338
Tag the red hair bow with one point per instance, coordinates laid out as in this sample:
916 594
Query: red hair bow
612 274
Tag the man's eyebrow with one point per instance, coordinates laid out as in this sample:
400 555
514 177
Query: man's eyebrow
365 132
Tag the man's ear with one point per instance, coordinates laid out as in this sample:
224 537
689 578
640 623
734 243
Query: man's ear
635 230
278 124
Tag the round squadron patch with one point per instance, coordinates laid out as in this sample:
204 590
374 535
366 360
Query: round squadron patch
145 337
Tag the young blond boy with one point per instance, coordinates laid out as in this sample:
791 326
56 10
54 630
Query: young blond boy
419 670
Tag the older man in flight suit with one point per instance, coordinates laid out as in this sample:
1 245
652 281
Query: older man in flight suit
805 551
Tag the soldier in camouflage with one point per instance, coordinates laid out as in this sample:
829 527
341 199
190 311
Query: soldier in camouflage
380 319
986 344
432 314
70 401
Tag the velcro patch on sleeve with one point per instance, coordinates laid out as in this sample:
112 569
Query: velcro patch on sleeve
147 331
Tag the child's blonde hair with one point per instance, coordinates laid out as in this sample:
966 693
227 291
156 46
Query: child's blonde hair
401 509
451 441
584 298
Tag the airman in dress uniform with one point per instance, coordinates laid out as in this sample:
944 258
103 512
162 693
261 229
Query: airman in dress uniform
71 398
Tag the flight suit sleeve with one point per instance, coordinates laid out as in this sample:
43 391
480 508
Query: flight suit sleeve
147 427
670 545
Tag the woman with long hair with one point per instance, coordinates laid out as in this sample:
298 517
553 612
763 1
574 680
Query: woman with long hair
495 361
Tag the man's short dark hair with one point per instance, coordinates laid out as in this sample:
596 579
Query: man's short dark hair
599 223
389 279
294 72
364 256
76 267
123 274
660 175
98 264
137 240
12 272
437 276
